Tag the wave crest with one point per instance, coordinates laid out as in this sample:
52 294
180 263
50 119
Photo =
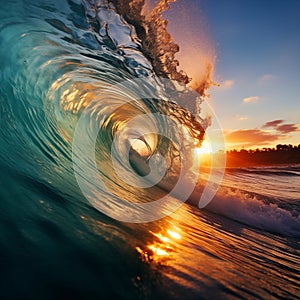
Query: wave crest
249 209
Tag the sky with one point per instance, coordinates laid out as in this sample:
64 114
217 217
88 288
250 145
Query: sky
256 48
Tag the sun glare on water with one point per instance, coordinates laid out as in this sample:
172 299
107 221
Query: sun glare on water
162 247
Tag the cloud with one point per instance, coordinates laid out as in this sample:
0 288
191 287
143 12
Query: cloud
228 84
252 99
241 118
251 137
287 128
267 77
280 127
274 123
258 137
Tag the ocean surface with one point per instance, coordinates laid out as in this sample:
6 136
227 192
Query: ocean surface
87 97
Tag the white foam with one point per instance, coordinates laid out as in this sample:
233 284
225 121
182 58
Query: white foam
248 209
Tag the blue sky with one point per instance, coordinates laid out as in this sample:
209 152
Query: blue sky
257 45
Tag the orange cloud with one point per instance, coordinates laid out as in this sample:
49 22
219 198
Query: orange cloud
251 137
227 84
252 99
242 118
259 137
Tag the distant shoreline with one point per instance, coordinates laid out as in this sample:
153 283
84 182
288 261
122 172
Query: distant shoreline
281 155
230 165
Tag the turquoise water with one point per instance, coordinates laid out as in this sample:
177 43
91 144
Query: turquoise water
61 64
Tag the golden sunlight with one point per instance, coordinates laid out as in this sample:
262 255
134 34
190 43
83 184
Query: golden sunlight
158 251
204 149
162 247
175 235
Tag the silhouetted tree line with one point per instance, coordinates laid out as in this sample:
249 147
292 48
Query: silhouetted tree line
282 154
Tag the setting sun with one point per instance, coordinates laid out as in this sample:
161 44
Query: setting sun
204 149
